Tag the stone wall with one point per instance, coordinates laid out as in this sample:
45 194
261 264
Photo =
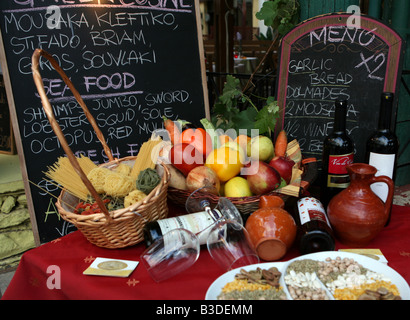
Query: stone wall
16 235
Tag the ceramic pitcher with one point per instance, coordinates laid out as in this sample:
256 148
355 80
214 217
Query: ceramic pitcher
271 229
357 214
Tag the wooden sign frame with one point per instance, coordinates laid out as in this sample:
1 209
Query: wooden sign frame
14 116
11 149
370 26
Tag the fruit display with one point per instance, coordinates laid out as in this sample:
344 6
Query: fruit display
236 166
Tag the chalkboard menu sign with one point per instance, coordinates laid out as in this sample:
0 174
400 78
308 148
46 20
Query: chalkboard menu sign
131 61
324 59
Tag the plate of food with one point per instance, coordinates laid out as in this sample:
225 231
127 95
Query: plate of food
328 275
262 281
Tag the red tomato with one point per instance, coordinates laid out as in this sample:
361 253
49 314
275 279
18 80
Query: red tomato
185 157
199 138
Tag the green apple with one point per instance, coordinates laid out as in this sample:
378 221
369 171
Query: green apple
260 148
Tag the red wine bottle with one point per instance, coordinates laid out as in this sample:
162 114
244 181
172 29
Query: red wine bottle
382 147
338 152
314 231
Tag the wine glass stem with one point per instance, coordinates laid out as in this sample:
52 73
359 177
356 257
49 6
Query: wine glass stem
213 213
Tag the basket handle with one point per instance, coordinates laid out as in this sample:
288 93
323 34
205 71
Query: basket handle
56 127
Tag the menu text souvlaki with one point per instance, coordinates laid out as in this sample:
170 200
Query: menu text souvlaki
149 4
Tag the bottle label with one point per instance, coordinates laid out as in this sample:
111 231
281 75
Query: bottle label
337 174
384 163
338 163
338 181
311 209
195 222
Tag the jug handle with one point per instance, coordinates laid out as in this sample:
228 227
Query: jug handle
390 184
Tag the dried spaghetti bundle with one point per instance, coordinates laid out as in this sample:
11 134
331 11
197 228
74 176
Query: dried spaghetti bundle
64 174
147 157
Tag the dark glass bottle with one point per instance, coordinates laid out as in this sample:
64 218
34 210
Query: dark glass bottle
314 231
338 152
382 146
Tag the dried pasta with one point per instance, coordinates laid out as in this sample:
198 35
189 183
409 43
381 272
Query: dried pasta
146 158
118 185
97 178
123 169
134 197
64 173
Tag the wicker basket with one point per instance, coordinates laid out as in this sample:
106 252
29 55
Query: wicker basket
115 229
247 205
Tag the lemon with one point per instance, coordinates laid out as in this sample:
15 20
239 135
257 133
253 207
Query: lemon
237 187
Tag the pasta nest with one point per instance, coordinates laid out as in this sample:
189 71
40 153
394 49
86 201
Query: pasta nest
118 185
112 183
123 169
133 197
97 178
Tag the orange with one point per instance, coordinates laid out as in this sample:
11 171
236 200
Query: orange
224 138
242 140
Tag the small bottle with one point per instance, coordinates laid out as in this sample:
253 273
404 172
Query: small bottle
194 222
338 152
315 233
382 147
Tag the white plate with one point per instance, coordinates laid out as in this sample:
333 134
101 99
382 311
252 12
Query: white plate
216 287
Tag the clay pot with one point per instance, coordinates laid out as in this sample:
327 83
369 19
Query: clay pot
271 229
357 214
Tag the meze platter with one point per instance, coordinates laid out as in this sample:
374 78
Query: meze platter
328 275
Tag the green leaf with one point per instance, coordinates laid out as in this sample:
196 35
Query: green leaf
230 94
267 116
227 115
232 88
267 13
245 119
281 15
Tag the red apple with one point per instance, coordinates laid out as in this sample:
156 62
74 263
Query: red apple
185 157
264 180
283 166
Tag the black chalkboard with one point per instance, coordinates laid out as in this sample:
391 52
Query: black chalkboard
132 62
322 59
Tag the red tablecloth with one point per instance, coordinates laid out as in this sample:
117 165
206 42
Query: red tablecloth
72 254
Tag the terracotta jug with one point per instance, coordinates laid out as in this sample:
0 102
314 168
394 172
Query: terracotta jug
271 229
357 214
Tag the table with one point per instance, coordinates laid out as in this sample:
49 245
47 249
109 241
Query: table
245 64
72 254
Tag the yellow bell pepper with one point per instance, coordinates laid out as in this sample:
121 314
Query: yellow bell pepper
225 161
